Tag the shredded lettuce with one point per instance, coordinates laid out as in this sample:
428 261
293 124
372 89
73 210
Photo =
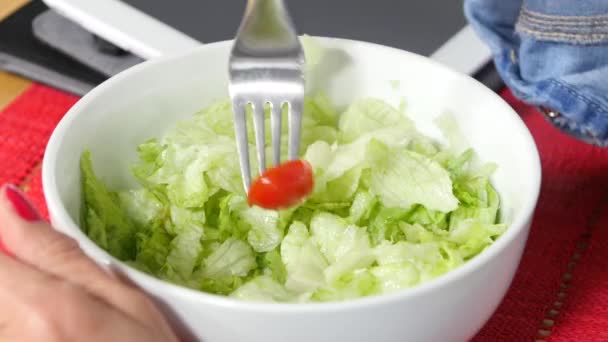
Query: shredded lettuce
103 219
391 208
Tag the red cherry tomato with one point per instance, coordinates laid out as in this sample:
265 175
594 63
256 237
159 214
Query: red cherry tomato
283 186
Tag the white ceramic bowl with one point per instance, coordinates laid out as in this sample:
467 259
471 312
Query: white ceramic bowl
143 101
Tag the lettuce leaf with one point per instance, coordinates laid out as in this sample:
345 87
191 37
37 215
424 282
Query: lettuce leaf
104 220
407 178
303 260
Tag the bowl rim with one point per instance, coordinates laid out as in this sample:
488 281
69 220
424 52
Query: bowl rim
61 217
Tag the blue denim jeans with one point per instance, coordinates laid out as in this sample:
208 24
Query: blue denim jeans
552 54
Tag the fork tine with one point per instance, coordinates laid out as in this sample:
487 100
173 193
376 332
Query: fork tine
242 143
260 134
276 117
267 66
295 126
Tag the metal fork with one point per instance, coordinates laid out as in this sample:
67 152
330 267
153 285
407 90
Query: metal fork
266 67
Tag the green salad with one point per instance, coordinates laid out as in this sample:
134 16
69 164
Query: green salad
391 208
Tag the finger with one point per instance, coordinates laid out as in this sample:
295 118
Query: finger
181 330
37 306
34 242
21 287
22 291
18 280
40 307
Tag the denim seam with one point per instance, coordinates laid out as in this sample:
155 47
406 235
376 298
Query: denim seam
548 28
579 96
537 21
574 38
590 30
582 127
581 18
572 26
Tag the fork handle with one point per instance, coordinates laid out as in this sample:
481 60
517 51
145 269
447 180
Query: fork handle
266 24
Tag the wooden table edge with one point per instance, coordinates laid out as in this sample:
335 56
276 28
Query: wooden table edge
11 85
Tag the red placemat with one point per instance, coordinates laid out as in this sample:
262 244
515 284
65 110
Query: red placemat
560 292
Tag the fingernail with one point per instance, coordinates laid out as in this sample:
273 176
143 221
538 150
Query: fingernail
21 204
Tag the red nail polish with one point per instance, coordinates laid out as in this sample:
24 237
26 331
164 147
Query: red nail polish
21 204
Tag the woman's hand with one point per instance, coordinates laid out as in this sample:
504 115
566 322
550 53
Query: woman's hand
50 291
